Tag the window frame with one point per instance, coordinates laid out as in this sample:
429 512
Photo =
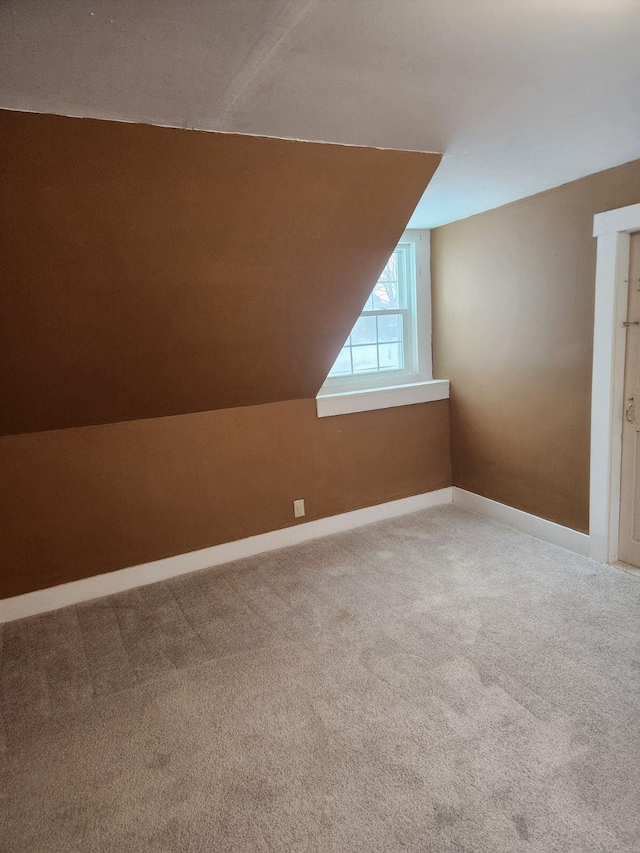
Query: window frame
417 328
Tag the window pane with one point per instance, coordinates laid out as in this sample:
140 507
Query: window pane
390 328
385 295
365 358
342 363
390 356
390 272
364 331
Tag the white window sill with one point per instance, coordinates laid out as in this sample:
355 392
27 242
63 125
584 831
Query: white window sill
367 399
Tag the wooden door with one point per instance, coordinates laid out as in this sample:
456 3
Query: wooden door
629 544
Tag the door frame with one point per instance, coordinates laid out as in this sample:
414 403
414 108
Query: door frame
613 230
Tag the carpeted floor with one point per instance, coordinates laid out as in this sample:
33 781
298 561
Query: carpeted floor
432 683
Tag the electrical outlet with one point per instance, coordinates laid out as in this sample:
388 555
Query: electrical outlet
298 508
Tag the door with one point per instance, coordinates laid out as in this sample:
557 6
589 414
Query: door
629 544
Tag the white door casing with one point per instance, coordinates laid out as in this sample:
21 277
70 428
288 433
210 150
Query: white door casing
613 229
629 534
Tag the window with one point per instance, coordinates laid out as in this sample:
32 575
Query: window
386 360
390 343
383 338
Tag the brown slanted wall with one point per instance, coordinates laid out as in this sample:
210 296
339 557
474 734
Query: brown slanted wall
153 271
513 298
171 303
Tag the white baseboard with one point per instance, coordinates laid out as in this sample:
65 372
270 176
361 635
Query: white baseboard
570 539
43 600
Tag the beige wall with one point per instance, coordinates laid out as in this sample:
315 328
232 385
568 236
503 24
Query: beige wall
78 502
513 296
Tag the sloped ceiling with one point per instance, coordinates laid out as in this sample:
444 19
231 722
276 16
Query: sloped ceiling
153 271
520 95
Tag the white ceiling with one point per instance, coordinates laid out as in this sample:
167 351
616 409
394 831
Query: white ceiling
520 95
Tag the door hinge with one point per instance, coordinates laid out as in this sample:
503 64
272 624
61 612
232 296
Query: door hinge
631 323
630 411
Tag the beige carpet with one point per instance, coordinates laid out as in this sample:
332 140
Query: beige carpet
432 683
